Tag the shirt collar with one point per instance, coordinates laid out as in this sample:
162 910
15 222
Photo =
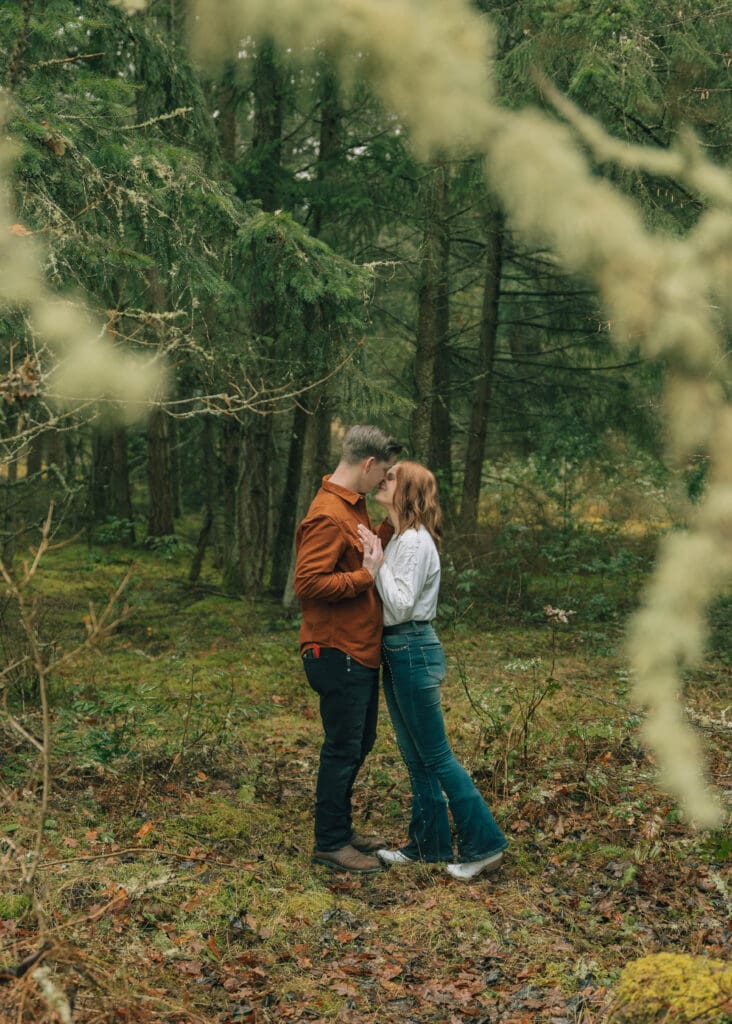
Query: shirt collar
352 497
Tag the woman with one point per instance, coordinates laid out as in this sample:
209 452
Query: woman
408 580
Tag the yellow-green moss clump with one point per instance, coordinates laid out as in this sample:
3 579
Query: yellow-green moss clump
13 905
676 988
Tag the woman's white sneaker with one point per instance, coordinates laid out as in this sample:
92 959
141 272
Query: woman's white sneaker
393 857
467 872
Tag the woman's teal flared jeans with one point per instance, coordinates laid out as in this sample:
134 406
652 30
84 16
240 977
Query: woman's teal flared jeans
414 668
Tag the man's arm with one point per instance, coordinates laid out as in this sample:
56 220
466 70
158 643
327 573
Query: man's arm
320 545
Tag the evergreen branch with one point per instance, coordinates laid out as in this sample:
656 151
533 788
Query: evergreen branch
68 60
571 369
156 120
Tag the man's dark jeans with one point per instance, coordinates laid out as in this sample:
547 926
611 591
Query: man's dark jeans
349 704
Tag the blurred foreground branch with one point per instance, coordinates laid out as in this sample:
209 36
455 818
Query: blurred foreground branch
46 659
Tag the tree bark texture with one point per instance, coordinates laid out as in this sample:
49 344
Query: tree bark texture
110 478
161 521
266 151
441 457
175 468
211 472
253 500
329 150
253 484
480 406
228 95
432 310
282 548
309 456
305 494
34 456
230 447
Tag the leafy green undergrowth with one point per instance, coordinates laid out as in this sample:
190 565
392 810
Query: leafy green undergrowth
176 881
511 572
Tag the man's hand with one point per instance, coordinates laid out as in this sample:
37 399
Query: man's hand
373 554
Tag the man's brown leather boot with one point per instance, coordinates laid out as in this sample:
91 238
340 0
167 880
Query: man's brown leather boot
347 859
367 844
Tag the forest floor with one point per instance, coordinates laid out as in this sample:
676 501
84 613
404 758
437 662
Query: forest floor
176 882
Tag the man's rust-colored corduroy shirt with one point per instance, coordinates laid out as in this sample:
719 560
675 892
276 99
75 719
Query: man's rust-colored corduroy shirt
340 604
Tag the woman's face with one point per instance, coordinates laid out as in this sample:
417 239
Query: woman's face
386 490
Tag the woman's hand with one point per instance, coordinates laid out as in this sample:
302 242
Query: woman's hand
373 554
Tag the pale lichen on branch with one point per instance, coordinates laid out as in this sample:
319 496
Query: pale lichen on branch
86 362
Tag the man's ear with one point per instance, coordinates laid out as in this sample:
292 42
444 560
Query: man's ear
369 463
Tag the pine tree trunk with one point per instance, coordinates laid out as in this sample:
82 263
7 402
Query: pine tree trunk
8 512
312 446
432 311
177 20
282 548
305 494
322 455
175 468
480 406
99 487
253 501
56 452
211 529
220 504
34 457
8 538
201 545
161 522
253 487
227 99
329 148
120 483
266 152
441 451
230 448
110 480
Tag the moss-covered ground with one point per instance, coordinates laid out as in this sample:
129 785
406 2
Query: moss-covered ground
176 882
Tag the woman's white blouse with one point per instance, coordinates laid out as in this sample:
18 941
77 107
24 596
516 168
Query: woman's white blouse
409 578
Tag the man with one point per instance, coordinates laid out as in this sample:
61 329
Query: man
340 638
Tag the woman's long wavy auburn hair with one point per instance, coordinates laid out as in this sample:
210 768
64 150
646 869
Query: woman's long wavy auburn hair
416 499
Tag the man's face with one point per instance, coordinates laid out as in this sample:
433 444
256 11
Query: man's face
374 471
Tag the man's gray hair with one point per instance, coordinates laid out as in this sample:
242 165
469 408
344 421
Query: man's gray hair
364 442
